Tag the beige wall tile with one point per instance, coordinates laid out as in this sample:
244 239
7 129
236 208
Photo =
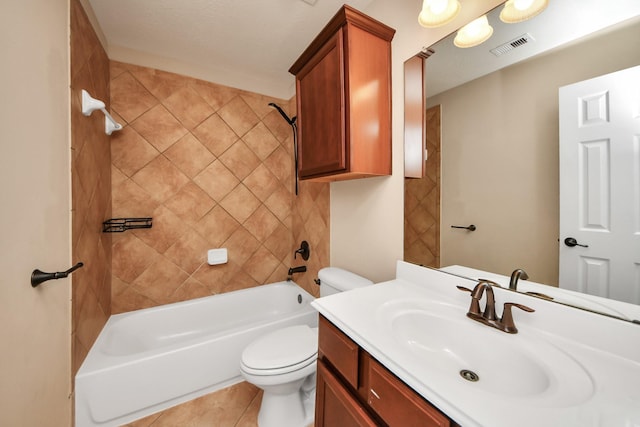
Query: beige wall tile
129 98
188 107
240 159
189 155
189 252
239 116
262 223
217 226
130 152
160 83
215 134
160 178
191 203
216 180
130 200
215 95
240 203
261 182
90 188
261 141
159 127
224 179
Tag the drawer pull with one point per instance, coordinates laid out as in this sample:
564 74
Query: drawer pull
375 394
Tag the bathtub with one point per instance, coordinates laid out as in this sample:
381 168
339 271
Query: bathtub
148 360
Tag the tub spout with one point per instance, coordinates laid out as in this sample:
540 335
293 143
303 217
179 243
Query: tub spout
300 269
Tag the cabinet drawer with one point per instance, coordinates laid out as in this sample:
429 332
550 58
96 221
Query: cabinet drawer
339 351
397 404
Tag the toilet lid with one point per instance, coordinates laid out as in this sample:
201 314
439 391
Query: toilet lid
285 347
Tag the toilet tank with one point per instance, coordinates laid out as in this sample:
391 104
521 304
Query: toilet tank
334 280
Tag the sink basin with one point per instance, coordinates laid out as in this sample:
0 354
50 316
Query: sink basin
451 346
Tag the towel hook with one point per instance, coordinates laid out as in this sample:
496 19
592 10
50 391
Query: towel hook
38 276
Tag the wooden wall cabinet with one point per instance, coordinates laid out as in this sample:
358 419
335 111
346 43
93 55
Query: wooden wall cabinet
356 390
343 88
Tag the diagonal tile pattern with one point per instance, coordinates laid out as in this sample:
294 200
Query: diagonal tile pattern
213 166
171 162
422 203
90 188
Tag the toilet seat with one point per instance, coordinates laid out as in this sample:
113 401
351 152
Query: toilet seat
282 351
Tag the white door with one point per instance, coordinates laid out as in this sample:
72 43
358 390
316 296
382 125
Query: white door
600 186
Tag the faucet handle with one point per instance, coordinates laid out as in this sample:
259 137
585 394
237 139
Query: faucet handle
507 317
462 288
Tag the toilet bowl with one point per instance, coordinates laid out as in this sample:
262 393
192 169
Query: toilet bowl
279 363
283 362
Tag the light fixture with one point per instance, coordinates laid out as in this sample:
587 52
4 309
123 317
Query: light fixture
474 33
436 13
521 10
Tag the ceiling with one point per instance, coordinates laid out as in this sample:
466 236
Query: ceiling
248 44
562 22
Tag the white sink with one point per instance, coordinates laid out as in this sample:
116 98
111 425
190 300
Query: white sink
564 367
511 366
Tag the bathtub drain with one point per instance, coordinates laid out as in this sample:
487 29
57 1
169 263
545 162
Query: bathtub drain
469 375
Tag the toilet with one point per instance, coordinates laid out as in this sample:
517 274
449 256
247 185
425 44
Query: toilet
283 362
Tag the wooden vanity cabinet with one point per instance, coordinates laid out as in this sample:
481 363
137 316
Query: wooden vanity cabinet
343 88
354 389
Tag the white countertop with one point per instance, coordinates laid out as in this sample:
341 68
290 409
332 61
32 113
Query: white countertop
601 387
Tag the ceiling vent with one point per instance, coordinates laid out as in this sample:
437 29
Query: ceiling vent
513 44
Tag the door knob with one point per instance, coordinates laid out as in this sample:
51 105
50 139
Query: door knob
571 242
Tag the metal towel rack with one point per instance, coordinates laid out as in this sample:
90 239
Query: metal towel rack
119 225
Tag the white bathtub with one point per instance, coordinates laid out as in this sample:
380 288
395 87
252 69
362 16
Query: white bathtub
148 360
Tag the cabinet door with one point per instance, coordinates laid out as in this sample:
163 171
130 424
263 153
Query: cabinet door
338 349
321 111
335 406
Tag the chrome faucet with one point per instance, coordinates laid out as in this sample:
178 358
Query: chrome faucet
488 315
515 276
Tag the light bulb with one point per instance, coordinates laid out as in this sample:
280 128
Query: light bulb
522 4
474 33
436 13
437 6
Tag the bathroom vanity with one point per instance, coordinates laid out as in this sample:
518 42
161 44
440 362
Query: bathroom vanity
404 353
354 389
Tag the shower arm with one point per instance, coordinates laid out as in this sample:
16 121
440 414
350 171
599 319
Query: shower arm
291 121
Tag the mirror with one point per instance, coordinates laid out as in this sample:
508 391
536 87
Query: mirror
499 139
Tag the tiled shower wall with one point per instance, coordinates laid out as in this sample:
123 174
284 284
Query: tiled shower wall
218 173
422 202
213 167
91 188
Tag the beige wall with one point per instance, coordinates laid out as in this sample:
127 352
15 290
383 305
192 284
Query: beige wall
367 214
500 157
35 324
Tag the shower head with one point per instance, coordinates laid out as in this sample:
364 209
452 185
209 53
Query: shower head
291 121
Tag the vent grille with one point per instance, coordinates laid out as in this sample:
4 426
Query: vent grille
513 44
